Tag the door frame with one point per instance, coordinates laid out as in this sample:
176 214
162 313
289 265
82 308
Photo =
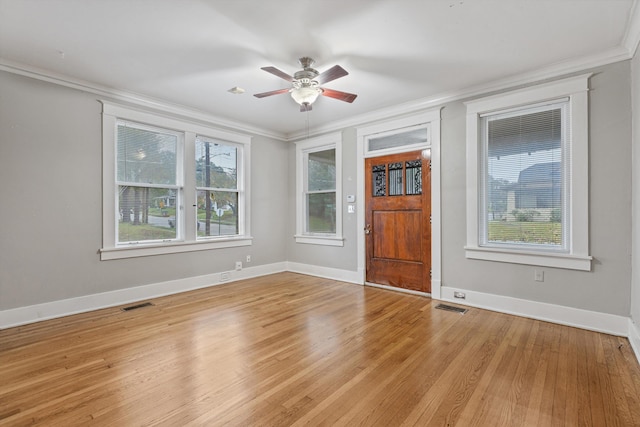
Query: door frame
431 120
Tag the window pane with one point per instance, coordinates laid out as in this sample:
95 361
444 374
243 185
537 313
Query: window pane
416 136
146 214
217 213
322 170
216 165
321 208
379 178
395 179
146 156
524 178
414 177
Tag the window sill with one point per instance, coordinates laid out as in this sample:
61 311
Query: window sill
141 250
568 261
320 240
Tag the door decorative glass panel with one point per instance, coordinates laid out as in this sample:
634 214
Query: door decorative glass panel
379 174
413 172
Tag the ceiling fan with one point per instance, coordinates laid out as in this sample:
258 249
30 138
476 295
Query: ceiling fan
306 84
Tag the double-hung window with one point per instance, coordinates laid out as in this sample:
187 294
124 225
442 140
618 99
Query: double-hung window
171 185
527 188
319 171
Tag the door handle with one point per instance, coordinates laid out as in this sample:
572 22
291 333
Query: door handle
367 229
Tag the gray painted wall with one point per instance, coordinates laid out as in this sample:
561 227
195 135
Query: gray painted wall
51 216
50 154
606 288
635 283
343 258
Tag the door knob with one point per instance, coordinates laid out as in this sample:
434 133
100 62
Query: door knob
367 229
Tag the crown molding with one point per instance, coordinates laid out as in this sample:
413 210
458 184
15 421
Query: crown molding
553 71
560 69
133 98
631 38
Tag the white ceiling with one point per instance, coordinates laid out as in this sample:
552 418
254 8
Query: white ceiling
397 52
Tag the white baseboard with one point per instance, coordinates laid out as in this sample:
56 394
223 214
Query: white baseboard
634 338
591 320
585 319
326 272
51 310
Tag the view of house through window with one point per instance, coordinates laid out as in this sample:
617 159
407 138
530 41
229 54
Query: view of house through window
217 188
524 180
147 183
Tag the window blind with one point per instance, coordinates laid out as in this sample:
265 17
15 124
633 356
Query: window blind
524 182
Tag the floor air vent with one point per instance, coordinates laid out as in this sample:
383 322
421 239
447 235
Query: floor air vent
451 308
133 307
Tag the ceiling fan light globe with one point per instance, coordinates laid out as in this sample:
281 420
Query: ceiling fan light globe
305 95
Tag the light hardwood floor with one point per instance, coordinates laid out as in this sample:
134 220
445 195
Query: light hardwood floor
293 350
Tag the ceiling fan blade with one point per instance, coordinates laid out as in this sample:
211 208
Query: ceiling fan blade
332 73
305 107
342 96
273 92
276 72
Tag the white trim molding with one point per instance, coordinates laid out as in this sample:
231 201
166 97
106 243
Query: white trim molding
325 272
576 90
634 338
432 118
304 148
55 309
186 234
590 320
631 38
562 315
174 110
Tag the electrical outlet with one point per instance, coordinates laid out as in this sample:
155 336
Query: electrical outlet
238 265
248 258
538 275
225 276
459 295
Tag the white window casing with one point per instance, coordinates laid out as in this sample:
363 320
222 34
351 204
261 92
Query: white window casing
303 150
572 95
186 239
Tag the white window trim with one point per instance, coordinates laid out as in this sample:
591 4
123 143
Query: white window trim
187 241
320 143
576 89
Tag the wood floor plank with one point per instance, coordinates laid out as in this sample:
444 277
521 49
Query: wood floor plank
293 350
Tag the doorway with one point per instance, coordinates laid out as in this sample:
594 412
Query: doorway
398 220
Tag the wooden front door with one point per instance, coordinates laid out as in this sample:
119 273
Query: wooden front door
398 220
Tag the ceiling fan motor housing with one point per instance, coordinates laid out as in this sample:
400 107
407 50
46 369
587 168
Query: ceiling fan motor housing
307 74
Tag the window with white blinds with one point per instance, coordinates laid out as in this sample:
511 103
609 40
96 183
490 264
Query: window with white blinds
524 185
528 176
147 183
